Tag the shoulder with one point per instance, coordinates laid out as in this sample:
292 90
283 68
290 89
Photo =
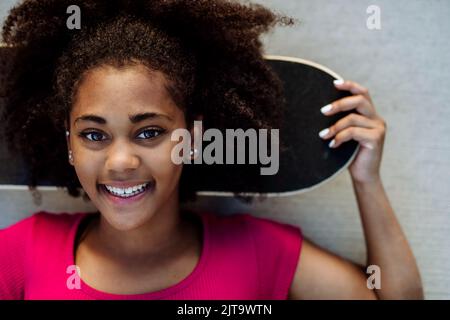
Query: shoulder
268 226
262 230
39 220
266 230
20 230
276 246
18 243
41 230
254 223
32 231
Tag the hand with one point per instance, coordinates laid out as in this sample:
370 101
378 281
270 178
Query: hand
365 126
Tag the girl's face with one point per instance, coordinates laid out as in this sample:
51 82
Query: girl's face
120 129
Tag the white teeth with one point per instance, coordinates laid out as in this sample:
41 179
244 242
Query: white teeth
131 191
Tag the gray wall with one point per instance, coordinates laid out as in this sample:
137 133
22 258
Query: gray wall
406 67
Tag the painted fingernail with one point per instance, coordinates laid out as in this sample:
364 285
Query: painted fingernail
327 108
332 143
324 132
338 82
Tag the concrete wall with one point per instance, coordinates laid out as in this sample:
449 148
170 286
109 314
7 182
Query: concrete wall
406 66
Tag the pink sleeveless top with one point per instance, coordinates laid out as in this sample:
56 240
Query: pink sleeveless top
243 257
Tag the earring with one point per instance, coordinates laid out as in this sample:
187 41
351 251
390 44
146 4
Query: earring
70 156
193 151
67 133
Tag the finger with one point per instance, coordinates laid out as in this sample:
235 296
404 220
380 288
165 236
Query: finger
352 120
353 87
368 138
358 102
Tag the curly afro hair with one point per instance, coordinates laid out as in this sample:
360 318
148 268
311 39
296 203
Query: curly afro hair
209 50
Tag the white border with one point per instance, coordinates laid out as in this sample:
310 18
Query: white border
244 194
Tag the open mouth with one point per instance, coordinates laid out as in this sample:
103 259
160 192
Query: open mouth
125 195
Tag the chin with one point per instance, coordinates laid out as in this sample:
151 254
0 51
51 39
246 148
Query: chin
125 221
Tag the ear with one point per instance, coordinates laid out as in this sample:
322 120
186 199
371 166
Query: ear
67 128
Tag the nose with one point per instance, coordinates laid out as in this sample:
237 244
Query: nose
122 157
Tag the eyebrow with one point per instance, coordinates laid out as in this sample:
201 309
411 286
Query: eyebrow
135 118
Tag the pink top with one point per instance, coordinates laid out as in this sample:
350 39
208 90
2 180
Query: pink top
243 257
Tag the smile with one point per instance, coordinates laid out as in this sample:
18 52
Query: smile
124 196
127 192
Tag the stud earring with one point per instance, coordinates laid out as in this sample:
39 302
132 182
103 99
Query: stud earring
67 133
193 151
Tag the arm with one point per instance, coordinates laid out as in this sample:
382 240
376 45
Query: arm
323 275
387 246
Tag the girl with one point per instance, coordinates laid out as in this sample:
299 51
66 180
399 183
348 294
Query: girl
109 95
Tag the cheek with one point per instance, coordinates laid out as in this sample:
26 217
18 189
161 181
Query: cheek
87 168
163 167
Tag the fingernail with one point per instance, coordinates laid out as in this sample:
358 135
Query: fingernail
327 108
324 132
338 82
369 146
332 143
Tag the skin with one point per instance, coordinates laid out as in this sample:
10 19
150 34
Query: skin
147 233
139 247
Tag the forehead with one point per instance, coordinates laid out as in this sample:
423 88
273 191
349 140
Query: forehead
109 91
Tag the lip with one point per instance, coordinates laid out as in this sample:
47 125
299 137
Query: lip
126 201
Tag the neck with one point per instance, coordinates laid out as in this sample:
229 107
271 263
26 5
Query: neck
159 235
